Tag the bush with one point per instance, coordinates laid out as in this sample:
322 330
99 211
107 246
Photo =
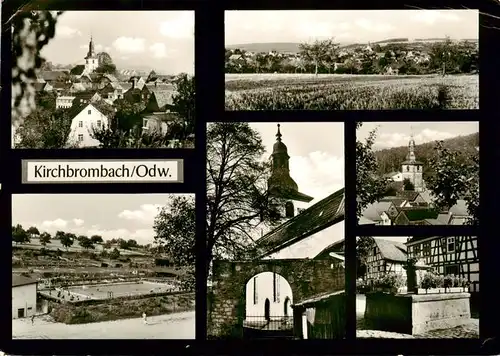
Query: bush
449 281
431 280
390 280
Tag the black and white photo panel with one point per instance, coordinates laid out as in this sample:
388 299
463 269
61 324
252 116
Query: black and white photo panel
417 287
417 173
105 266
275 235
101 86
351 59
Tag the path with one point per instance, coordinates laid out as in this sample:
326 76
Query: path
169 326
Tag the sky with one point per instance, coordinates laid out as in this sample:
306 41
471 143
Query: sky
127 216
395 134
316 153
159 40
348 25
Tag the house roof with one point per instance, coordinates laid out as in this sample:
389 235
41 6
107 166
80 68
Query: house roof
375 210
18 280
416 163
409 195
391 174
334 247
364 221
162 97
111 77
391 250
460 208
59 85
416 213
161 116
85 95
318 299
321 215
442 219
40 86
125 86
75 109
397 201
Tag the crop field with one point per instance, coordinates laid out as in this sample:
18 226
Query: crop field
120 289
350 92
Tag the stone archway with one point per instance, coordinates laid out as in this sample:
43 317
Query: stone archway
227 297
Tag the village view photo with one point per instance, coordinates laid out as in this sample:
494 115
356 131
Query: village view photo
417 173
98 86
106 266
275 231
417 287
351 60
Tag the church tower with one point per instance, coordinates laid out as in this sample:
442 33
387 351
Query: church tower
413 169
280 183
91 60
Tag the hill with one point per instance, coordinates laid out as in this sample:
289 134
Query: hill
390 159
293 47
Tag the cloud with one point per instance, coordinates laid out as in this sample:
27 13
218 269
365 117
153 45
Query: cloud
386 140
318 174
160 50
54 224
129 45
145 214
181 27
67 32
430 17
373 26
78 222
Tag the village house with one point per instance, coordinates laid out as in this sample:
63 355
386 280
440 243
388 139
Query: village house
43 87
24 296
64 101
380 212
394 176
85 119
457 255
86 97
385 256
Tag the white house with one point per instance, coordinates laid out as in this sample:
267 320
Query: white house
268 294
394 176
83 125
23 296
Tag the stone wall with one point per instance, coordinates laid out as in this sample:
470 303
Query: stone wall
416 313
226 299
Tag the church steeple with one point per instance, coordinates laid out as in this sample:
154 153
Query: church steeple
411 149
91 52
280 183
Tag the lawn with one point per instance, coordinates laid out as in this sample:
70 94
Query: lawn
350 92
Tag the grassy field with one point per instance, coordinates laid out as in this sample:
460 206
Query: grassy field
34 244
350 92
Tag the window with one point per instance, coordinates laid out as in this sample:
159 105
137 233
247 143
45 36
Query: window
407 168
450 246
80 123
451 270
89 112
144 123
99 123
427 249
374 251
80 137
289 211
417 250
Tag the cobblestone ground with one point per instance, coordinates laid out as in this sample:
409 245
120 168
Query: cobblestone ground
470 330
170 326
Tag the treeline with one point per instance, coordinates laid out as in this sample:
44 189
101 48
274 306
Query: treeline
67 239
446 57
390 159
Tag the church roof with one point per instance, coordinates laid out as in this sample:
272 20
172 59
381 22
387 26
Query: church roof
318 217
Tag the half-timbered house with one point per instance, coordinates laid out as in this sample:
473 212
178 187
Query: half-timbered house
385 256
456 255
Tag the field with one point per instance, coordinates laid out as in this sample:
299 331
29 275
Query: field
350 92
34 244
119 289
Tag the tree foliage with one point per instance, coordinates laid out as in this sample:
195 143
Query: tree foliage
369 186
408 185
183 104
456 178
320 51
175 232
96 239
31 31
66 240
19 235
237 197
33 231
363 246
45 238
